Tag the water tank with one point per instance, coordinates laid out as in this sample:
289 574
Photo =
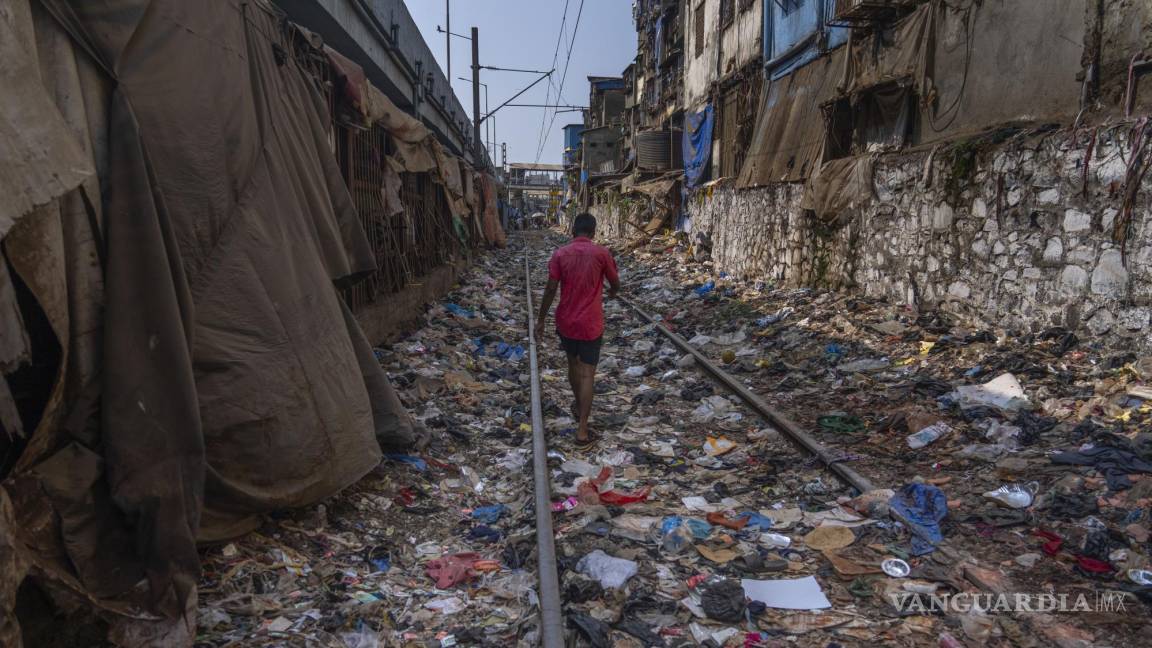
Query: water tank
659 150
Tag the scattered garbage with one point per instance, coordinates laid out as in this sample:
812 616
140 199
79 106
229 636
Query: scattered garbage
895 568
928 435
610 572
690 494
921 507
1003 392
1014 495
788 594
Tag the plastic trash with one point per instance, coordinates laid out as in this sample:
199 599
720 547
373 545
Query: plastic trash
489 514
981 452
415 462
611 572
716 446
456 309
921 507
675 537
865 365
1003 392
895 568
775 540
928 435
756 521
1140 576
728 339
706 288
635 371
722 599
1015 496
948 641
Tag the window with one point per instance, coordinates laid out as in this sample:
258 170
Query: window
790 6
699 38
727 12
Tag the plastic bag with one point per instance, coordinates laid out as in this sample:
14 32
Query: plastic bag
611 572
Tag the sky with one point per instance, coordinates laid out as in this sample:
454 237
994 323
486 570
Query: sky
524 34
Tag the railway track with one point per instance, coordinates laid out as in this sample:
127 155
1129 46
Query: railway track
551 605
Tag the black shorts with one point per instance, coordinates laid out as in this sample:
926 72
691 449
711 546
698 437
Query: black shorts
587 350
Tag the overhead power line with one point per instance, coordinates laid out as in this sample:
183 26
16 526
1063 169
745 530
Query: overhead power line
563 79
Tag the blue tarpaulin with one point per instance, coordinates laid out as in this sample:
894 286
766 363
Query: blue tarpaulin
789 24
697 146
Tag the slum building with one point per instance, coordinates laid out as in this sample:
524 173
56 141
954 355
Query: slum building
212 217
984 157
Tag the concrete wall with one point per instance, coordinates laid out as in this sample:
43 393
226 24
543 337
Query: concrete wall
700 71
1012 240
741 41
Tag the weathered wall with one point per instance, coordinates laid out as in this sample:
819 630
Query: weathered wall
700 71
741 40
1013 238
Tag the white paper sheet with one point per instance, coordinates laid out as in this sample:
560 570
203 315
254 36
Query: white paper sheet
794 594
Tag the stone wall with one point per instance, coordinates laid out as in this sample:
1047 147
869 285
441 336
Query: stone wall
1015 234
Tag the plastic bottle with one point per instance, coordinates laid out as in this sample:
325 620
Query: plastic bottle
775 540
928 435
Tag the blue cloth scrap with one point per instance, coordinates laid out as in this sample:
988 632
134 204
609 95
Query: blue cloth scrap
757 521
485 534
921 507
457 309
489 514
415 462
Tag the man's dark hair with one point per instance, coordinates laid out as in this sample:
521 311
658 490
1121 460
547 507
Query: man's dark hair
584 225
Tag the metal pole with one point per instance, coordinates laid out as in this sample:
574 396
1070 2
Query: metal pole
551 620
448 37
487 125
478 144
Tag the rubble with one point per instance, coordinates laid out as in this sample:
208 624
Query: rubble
690 493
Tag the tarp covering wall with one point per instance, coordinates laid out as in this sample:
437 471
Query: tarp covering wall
789 137
1001 61
697 145
840 187
907 54
236 381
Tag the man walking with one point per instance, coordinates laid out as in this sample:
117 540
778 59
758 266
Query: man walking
579 269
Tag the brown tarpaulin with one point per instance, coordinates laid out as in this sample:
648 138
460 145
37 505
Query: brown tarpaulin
493 232
907 54
958 56
840 186
210 371
789 137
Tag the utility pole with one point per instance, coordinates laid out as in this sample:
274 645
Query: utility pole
477 142
448 37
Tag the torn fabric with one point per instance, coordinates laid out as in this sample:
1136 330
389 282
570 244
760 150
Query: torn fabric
789 137
840 187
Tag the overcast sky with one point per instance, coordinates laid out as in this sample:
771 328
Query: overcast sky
524 34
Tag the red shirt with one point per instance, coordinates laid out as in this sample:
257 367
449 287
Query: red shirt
581 268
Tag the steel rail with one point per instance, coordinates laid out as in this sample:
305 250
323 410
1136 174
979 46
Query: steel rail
552 622
777 418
